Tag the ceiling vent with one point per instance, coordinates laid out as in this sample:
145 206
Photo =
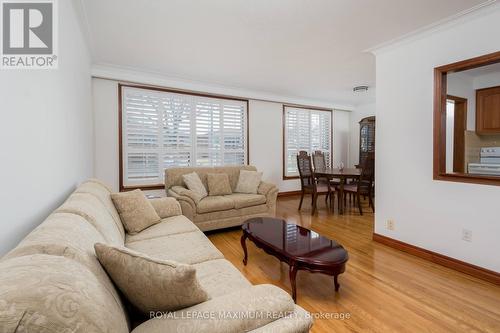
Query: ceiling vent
360 89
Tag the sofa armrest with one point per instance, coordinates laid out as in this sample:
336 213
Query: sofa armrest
186 199
299 321
265 188
182 191
270 191
166 207
241 311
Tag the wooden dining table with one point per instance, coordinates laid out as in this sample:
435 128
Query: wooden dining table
342 175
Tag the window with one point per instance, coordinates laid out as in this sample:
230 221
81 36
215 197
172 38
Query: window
305 129
462 151
161 129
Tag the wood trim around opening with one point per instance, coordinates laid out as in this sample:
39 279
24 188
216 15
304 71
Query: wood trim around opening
439 132
283 123
458 265
459 128
177 91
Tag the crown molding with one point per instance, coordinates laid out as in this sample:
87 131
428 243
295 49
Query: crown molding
463 16
133 75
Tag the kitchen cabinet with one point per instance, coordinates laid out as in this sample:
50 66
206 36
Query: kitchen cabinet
488 111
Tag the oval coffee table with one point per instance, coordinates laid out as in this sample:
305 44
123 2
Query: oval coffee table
299 247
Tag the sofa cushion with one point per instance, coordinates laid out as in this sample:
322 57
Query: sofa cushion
169 226
242 200
102 192
89 207
248 182
231 213
266 302
44 294
151 284
173 176
188 248
166 207
193 182
299 320
66 235
219 277
59 234
214 204
136 211
218 184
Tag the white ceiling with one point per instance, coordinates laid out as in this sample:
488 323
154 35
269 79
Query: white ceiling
304 48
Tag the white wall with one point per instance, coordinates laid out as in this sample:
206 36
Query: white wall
462 85
341 137
487 80
105 107
46 131
362 111
265 126
266 142
427 213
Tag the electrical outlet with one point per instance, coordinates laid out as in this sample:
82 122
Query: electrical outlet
467 235
390 224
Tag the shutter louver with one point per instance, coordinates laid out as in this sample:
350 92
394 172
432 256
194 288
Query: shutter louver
163 129
234 133
208 134
176 131
142 121
308 130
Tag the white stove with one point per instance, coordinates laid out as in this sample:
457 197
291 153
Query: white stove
489 162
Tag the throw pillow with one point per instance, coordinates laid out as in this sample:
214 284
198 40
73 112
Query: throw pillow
218 184
248 182
136 212
193 182
151 284
166 207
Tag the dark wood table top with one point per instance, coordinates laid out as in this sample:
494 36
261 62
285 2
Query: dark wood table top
335 172
295 242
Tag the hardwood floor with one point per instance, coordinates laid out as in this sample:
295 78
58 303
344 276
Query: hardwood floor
382 290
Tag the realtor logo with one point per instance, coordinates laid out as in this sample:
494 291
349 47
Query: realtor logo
28 34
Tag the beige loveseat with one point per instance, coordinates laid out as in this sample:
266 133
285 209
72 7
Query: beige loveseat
216 212
52 282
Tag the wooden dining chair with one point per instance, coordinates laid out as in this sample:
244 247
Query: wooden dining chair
318 158
309 183
319 162
364 186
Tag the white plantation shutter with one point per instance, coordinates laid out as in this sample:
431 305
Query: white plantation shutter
208 133
163 129
142 123
234 133
309 130
176 131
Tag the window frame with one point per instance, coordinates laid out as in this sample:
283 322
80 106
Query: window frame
121 160
283 120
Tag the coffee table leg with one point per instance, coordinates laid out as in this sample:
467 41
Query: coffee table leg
336 282
293 274
244 246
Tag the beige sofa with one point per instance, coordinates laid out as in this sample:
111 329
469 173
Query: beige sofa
52 281
216 212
